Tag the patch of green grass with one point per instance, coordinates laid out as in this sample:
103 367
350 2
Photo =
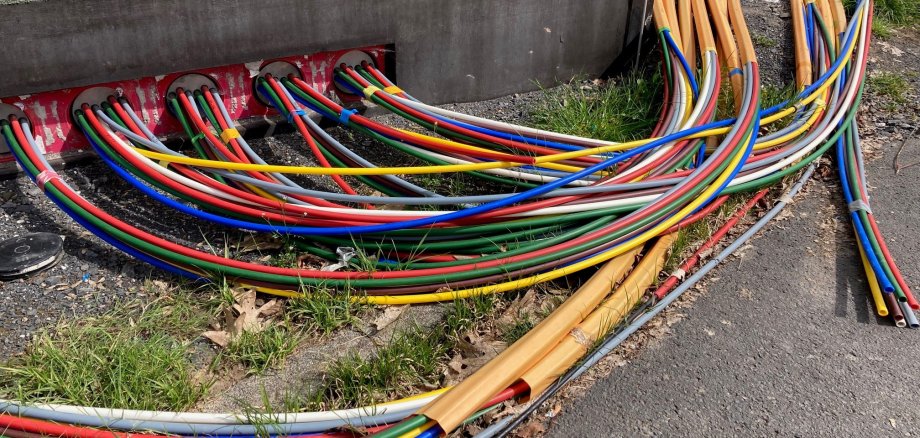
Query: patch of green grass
621 109
891 13
133 358
463 314
516 331
882 29
687 239
764 41
410 360
260 351
891 85
322 310
287 256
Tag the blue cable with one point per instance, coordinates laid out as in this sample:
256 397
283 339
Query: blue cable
859 226
109 239
414 223
683 61
810 29
701 155
432 432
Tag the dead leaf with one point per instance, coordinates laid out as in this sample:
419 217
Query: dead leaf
245 299
310 261
521 306
258 242
271 308
532 429
220 338
390 314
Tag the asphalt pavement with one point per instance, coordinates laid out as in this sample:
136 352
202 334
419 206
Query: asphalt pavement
783 341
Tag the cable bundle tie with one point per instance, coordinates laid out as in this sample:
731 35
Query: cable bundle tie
369 91
736 71
229 134
392 89
294 113
345 117
197 137
45 177
860 205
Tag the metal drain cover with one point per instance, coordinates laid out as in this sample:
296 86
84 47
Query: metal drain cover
29 253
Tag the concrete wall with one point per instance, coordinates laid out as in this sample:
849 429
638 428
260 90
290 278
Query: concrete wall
445 50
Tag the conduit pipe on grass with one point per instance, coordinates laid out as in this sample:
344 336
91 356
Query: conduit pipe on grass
508 366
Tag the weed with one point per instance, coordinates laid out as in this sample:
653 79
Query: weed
621 110
765 41
124 359
409 360
891 85
463 314
892 13
881 29
287 257
260 351
322 310
518 329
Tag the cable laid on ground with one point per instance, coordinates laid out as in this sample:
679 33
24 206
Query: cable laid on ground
585 201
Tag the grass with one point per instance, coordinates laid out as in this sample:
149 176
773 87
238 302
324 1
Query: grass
132 357
623 109
891 14
764 41
518 329
260 351
890 85
323 311
463 314
410 360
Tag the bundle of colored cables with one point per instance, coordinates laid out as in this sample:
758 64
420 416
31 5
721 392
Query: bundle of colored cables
562 204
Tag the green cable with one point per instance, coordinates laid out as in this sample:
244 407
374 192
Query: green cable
403 427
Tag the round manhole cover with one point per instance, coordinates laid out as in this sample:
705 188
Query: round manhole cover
29 253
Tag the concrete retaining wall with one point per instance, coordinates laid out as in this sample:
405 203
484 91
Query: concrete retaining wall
445 50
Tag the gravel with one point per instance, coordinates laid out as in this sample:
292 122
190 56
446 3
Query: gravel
93 276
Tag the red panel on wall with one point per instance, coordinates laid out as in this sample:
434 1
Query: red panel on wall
56 133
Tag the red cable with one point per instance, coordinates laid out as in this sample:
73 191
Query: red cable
302 128
715 238
394 133
45 428
437 123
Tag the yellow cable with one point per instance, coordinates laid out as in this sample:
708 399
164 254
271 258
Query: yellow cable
418 430
561 272
801 130
880 307
451 168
